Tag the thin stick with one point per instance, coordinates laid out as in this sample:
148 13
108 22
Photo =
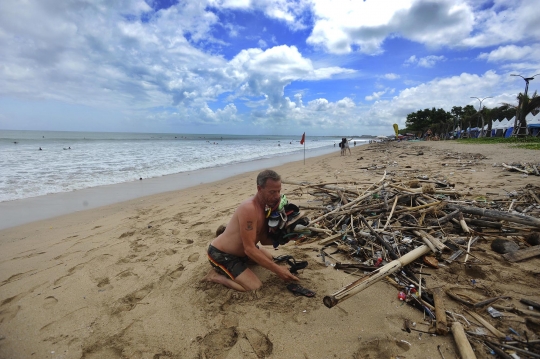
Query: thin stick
391 213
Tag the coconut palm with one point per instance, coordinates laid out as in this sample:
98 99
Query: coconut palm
486 113
525 106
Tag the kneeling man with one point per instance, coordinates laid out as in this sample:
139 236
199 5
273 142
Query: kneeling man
229 252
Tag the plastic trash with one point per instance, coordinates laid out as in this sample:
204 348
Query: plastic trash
494 312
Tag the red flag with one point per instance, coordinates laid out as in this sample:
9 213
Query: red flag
303 139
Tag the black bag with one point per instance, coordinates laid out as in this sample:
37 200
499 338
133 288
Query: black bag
340 144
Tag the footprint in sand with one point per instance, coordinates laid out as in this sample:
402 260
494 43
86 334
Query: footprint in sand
175 274
9 313
50 302
126 273
131 300
126 234
103 282
218 343
71 271
261 345
193 257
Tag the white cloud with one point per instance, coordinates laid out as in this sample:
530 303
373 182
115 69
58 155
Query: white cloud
262 44
342 25
375 95
512 53
504 22
428 61
391 76
445 93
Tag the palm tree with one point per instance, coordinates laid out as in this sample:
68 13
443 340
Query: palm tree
469 112
525 106
486 112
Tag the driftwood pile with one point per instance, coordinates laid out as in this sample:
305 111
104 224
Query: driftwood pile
393 229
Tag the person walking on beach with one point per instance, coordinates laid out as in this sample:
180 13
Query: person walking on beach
345 146
230 251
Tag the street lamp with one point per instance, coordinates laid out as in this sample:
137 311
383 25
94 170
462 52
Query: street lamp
518 117
480 111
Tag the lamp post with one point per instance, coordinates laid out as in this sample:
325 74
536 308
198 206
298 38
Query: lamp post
519 114
480 111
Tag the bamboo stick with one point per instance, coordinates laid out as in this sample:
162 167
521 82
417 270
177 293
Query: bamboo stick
350 204
363 283
464 347
516 218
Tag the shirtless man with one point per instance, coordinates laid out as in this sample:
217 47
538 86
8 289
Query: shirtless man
229 252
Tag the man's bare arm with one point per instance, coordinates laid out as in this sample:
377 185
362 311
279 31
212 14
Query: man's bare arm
248 232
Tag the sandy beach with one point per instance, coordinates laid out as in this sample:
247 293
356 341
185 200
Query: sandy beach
124 280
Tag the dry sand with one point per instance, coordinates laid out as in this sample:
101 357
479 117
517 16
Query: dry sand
123 281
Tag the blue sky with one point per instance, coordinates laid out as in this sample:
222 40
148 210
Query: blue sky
324 67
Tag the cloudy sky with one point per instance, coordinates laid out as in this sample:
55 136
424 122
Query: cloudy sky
326 67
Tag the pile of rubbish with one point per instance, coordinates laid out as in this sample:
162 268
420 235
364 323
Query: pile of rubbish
393 229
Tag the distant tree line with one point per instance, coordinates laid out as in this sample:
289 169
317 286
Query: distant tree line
442 123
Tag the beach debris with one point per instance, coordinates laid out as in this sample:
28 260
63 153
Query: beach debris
397 227
464 347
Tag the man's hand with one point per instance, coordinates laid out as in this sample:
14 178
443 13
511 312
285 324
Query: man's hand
286 275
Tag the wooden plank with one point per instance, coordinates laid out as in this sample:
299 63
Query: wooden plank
440 313
522 254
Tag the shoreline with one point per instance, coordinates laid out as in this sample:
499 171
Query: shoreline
23 211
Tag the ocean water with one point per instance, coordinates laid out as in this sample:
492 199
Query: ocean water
71 161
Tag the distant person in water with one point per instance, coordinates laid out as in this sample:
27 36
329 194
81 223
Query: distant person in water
40 149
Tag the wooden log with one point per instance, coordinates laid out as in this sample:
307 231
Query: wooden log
519 350
464 347
502 216
444 219
522 254
480 223
531 303
533 195
513 309
440 313
514 168
363 283
498 350
487 325
469 303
